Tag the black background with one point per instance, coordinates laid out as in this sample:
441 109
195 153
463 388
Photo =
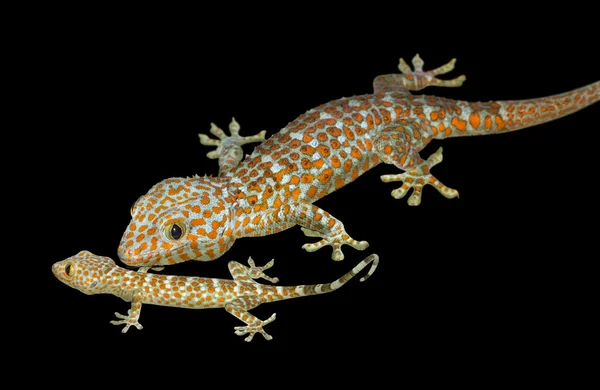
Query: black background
493 282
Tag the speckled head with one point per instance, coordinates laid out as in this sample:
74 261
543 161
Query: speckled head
84 272
179 219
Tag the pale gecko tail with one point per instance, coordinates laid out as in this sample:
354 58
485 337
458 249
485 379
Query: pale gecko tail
518 114
315 289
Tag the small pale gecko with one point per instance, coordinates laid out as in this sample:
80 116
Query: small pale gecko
275 188
92 274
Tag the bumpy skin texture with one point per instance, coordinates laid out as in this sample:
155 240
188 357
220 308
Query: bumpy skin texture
327 147
93 274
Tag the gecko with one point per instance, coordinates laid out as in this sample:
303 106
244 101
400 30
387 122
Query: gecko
92 274
275 187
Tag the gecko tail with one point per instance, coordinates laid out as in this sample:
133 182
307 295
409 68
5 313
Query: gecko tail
315 289
518 114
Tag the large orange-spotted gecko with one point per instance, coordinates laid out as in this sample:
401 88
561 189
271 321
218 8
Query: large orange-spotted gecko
93 274
274 188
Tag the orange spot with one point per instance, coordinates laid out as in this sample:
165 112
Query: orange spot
197 222
296 193
474 120
307 178
323 150
370 123
398 111
306 163
307 150
294 180
356 153
500 123
349 133
334 131
312 191
347 165
252 199
335 161
325 176
459 124
487 122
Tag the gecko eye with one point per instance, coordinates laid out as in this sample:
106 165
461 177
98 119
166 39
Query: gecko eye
69 270
174 231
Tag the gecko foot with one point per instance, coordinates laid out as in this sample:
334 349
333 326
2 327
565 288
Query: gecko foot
419 177
258 272
128 320
255 328
429 76
235 138
336 241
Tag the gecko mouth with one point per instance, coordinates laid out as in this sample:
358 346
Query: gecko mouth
148 259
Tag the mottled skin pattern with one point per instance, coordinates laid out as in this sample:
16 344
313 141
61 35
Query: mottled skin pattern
327 147
93 274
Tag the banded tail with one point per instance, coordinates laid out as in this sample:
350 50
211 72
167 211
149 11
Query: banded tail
315 289
509 115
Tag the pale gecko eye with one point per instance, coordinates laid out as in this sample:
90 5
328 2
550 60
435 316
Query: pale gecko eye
174 231
69 270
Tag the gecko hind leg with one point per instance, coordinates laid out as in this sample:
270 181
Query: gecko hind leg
417 178
242 272
416 79
392 148
239 308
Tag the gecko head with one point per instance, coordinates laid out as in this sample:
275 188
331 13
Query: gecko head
84 272
179 219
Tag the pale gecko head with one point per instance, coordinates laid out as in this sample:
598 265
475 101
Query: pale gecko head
179 219
85 272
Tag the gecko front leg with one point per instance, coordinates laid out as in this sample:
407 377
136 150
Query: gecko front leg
229 148
314 221
133 314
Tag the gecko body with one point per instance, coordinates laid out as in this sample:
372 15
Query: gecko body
274 188
92 274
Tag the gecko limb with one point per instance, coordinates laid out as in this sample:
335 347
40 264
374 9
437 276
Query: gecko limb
229 150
